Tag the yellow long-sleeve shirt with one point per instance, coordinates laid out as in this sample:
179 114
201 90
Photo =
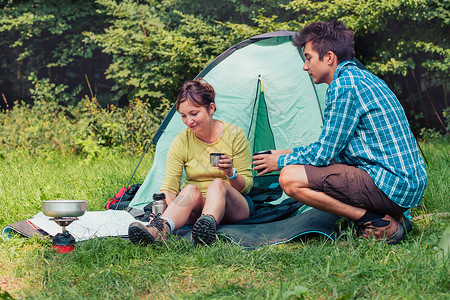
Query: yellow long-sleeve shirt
191 153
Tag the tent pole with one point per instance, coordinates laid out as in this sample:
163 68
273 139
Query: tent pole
134 172
154 140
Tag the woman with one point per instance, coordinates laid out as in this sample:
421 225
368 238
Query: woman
209 195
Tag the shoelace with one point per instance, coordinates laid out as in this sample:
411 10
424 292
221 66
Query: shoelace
360 229
156 221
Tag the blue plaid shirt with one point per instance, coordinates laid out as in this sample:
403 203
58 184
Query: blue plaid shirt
365 126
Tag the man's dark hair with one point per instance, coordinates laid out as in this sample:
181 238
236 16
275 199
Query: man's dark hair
327 36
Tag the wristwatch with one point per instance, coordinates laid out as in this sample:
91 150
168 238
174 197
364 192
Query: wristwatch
235 174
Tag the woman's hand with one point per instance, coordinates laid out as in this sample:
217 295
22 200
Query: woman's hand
226 165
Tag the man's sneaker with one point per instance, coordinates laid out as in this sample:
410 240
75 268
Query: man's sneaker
204 230
386 228
156 230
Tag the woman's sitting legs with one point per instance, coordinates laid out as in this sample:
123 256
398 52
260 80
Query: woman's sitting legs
185 208
223 203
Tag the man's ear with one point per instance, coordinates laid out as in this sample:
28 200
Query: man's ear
331 58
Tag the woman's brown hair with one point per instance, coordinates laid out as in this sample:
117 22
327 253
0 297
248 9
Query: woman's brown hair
198 91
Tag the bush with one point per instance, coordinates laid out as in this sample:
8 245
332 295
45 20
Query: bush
85 129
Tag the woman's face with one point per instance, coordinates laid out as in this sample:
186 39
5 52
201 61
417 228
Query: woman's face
196 118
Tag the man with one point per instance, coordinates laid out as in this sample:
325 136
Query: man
366 165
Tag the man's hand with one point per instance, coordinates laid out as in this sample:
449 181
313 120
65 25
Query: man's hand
266 163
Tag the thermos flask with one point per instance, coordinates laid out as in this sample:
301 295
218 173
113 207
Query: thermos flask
159 203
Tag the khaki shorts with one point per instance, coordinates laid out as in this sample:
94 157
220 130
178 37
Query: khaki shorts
352 186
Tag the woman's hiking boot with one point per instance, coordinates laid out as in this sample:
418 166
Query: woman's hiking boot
156 230
204 230
386 228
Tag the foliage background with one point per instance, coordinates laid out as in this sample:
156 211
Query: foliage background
108 70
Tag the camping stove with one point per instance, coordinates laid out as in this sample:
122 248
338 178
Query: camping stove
64 212
63 242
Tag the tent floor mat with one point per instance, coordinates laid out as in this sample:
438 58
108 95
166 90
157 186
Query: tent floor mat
310 223
25 228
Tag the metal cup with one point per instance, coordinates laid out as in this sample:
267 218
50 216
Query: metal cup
262 152
214 158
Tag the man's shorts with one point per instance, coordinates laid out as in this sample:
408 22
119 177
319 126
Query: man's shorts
352 186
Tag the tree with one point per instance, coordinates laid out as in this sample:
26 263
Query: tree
44 56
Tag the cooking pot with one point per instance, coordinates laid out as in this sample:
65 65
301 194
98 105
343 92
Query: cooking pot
64 208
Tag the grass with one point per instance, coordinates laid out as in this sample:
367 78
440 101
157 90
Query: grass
112 268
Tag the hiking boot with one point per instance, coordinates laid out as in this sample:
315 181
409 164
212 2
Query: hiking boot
204 230
156 230
386 228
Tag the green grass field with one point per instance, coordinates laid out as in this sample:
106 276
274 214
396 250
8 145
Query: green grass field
113 268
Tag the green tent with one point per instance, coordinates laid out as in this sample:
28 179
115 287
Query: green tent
261 87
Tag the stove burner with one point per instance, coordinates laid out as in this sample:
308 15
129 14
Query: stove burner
64 221
63 242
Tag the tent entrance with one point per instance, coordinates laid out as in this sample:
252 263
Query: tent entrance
260 134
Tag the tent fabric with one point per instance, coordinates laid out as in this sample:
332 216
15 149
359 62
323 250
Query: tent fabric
260 86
